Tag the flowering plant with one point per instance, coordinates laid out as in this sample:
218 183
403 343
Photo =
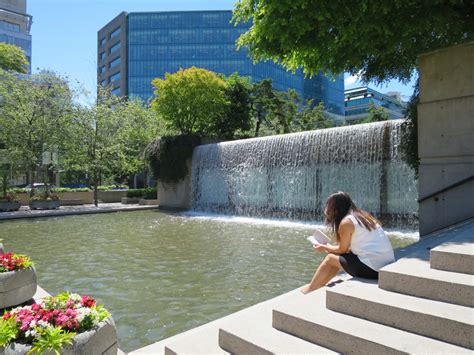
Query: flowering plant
8 197
12 262
45 197
51 324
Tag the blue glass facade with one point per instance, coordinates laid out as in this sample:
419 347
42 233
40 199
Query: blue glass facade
15 25
359 100
164 42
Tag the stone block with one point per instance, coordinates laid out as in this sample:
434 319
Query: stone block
17 287
447 73
446 128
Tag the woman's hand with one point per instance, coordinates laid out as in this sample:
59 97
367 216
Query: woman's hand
319 248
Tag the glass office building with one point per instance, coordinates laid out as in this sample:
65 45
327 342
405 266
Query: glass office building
15 25
155 43
359 100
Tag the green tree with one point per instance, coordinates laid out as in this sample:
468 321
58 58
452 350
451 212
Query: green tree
378 40
236 118
93 145
35 117
311 117
139 126
12 58
376 114
190 100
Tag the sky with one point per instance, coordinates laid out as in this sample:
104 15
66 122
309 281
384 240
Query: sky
64 35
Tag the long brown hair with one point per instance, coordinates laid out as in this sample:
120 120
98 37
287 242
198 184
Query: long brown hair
338 205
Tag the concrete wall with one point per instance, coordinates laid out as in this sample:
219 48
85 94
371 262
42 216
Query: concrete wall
446 136
176 196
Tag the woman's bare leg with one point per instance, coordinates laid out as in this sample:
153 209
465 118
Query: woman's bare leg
324 273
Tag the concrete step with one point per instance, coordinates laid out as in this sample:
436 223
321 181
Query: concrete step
456 257
308 318
257 336
443 321
415 277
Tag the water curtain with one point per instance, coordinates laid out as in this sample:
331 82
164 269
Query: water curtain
290 176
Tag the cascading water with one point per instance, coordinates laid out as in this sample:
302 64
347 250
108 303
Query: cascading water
290 176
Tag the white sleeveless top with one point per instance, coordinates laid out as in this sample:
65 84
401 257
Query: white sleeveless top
372 247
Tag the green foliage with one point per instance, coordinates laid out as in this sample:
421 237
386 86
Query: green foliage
285 112
190 100
375 114
103 313
44 196
409 142
35 117
311 117
12 58
70 189
148 193
112 187
380 40
168 155
8 330
236 118
52 339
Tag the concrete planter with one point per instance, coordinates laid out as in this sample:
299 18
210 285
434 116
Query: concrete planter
129 200
9 206
17 287
45 205
111 196
102 339
145 202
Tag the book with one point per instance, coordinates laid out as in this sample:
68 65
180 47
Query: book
319 237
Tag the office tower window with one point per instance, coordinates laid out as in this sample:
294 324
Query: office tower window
114 48
114 63
102 69
115 77
116 92
115 33
7 25
102 56
102 42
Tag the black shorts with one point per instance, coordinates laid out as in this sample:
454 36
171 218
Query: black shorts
354 267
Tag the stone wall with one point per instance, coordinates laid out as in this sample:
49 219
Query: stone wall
177 195
446 136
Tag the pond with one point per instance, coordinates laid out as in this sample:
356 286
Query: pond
160 273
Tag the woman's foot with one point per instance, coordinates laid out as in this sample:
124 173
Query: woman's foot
306 289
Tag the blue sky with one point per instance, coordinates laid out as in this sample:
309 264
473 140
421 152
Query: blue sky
65 34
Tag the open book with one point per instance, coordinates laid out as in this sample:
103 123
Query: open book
319 238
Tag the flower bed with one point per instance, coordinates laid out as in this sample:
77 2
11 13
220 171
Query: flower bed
9 202
17 279
67 324
44 201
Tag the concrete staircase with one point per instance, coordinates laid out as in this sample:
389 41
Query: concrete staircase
422 304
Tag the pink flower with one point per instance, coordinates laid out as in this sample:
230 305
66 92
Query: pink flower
87 301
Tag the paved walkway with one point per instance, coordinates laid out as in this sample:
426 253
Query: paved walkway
25 212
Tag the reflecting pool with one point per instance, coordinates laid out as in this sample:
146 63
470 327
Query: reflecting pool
159 273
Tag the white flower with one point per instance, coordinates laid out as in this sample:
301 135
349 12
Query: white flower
75 297
82 312
31 333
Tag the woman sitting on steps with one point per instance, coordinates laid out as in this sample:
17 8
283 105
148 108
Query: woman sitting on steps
363 247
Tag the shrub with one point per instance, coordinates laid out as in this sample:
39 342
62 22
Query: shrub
150 193
167 156
135 193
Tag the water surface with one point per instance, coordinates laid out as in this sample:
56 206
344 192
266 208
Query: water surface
161 274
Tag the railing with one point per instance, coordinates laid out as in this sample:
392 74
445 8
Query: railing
452 186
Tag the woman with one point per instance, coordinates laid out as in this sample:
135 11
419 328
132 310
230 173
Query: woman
363 248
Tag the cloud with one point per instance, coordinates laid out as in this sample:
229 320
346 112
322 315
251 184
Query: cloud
351 80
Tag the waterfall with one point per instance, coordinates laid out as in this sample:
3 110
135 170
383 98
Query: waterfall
290 176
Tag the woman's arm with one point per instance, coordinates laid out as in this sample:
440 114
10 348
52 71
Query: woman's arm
346 228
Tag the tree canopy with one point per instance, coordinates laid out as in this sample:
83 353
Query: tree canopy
12 58
190 99
377 40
